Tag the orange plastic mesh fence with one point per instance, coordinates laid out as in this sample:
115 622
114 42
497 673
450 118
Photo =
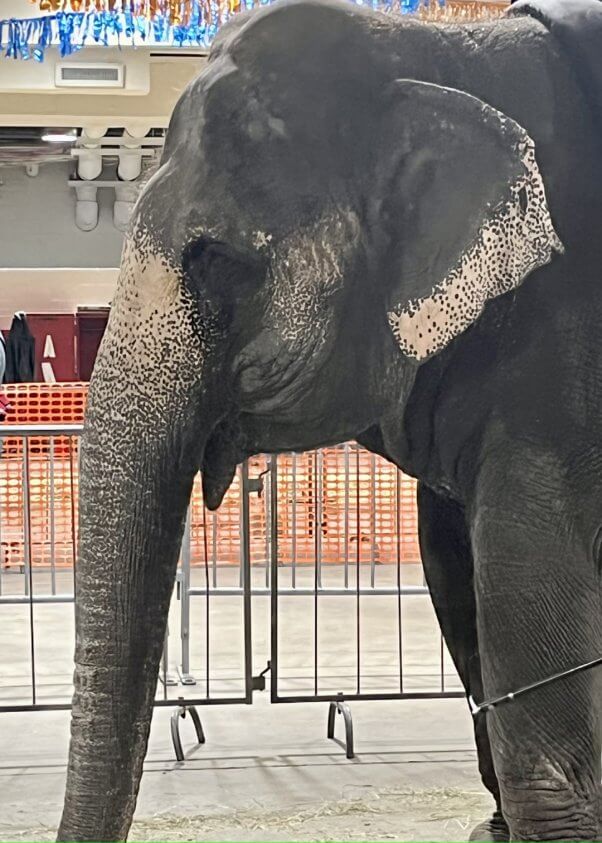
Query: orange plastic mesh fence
46 403
51 493
464 10
319 495
43 403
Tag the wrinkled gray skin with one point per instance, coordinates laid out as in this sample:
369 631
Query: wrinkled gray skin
331 251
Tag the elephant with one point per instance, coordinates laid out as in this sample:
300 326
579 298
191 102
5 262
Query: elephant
367 227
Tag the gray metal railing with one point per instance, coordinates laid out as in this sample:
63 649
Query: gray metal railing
211 615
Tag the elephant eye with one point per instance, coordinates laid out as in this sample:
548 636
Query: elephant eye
523 199
217 268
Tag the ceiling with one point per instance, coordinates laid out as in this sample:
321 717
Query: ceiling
167 79
154 79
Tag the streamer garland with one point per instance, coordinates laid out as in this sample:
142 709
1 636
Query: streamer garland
73 24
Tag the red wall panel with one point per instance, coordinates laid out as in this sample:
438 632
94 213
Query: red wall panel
91 326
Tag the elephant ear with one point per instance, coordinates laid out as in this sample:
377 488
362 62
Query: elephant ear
461 212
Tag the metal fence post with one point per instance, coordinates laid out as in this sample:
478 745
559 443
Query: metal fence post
214 526
273 662
372 520
28 564
26 515
166 677
294 523
268 521
2 514
245 567
52 518
185 675
346 514
319 510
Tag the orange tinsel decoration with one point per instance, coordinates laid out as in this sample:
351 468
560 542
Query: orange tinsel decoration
179 10
176 8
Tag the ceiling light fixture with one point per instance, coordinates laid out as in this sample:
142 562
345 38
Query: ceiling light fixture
56 136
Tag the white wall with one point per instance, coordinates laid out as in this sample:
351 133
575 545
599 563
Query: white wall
53 290
37 226
47 265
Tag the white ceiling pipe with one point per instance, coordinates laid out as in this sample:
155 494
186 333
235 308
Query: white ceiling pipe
126 192
125 199
89 164
130 164
122 214
86 207
86 215
134 135
95 130
92 135
86 192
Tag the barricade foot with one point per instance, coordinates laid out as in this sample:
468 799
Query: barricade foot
341 707
175 728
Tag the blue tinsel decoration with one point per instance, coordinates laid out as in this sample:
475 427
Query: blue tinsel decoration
25 38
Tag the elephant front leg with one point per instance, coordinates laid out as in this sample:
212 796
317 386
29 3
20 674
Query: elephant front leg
448 568
538 610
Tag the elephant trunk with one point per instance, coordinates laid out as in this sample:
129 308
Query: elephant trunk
140 452
132 515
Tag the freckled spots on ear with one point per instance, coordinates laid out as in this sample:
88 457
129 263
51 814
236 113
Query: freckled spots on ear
517 238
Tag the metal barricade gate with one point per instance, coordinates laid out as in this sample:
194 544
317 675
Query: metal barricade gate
280 580
308 517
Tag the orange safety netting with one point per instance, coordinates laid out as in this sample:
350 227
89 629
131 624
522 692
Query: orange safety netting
319 498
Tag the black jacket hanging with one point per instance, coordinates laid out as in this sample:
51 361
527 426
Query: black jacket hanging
20 352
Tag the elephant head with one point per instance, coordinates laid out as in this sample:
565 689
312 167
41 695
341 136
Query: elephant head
315 231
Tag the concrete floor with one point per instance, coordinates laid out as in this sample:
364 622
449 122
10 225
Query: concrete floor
267 772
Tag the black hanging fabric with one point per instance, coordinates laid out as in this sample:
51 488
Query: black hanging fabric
20 352
2 357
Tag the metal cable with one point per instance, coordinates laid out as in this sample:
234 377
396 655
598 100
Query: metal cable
316 580
357 568
206 562
399 616
28 561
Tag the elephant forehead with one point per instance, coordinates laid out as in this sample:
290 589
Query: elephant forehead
510 244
